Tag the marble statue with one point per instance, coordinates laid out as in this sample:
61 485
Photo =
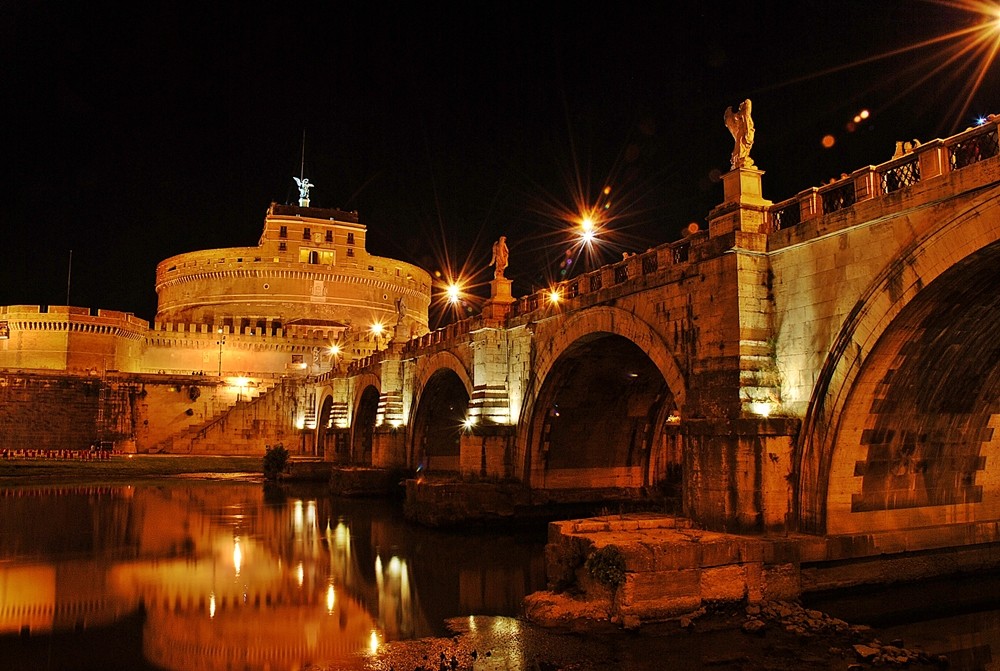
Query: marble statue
740 124
500 256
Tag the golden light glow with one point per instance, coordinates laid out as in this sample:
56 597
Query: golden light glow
237 556
554 296
469 422
454 292
373 642
300 574
761 409
377 328
331 598
961 56
211 604
334 350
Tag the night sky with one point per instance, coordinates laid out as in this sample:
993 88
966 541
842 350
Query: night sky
135 131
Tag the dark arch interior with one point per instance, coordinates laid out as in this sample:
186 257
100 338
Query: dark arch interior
437 426
364 427
323 435
600 405
938 370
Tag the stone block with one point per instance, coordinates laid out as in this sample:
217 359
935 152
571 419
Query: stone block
653 586
724 583
781 582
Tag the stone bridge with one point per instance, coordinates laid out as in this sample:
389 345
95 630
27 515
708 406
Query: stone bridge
826 364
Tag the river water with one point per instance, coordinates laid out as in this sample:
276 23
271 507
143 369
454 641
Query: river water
193 573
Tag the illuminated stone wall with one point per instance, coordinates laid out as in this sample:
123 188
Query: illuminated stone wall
310 270
73 339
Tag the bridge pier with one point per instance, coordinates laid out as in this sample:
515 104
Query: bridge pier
737 473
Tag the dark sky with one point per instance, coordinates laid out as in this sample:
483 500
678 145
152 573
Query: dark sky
135 131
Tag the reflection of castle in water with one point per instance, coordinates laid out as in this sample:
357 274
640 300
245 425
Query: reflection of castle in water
226 579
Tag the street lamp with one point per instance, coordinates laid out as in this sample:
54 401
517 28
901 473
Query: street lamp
377 330
222 341
334 351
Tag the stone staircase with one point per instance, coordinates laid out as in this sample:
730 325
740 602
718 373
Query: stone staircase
243 427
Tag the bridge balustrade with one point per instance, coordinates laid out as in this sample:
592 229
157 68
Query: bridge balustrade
786 214
838 197
924 161
900 173
973 149
621 273
649 263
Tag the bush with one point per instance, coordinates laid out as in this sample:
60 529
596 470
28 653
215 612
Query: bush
275 461
607 566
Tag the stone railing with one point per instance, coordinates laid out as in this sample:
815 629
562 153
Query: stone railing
933 159
606 277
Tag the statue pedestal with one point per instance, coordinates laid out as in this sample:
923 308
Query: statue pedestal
498 306
743 207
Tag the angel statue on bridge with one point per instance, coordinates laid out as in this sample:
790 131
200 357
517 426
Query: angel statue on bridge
500 256
740 125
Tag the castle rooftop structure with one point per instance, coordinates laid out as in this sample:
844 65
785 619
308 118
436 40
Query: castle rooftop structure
309 276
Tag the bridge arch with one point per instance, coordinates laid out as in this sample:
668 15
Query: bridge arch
364 412
890 440
442 389
324 428
638 386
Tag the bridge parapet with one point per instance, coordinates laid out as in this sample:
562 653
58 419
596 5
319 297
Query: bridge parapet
926 161
608 277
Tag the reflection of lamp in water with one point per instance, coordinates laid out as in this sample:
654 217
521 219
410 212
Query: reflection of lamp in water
237 556
211 604
311 514
330 598
373 642
301 574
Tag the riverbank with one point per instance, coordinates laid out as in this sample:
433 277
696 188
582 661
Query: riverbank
123 468
775 637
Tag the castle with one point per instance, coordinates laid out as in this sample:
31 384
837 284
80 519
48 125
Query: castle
234 322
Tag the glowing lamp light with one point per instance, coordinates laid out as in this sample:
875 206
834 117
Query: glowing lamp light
334 350
211 604
587 224
377 328
554 296
761 409
373 642
331 598
469 422
454 292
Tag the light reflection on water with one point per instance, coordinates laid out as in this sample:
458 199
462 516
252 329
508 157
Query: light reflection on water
222 574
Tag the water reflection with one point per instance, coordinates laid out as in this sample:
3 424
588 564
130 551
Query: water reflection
228 577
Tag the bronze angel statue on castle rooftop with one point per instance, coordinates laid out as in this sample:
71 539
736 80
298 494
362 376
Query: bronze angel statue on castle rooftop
740 124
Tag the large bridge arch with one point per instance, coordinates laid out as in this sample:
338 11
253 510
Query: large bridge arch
639 385
442 389
364 412
881 446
